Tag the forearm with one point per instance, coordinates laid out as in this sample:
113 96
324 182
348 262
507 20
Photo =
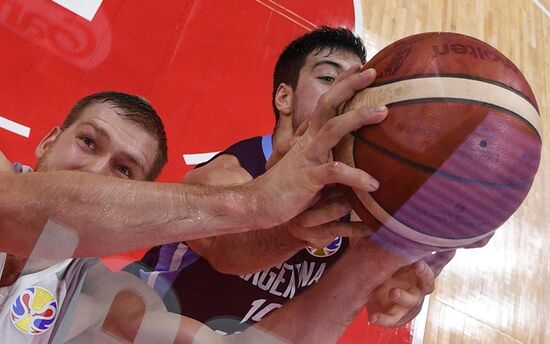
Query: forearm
248 252
110 215
321 314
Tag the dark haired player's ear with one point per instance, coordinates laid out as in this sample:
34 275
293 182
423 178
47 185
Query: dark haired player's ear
46 141
284 132
283 99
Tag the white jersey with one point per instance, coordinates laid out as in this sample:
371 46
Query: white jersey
46 292
30 307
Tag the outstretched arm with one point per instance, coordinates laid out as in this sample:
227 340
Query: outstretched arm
107 215
103 215
239 253
252 251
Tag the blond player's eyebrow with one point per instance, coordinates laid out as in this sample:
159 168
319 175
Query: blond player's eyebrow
102 132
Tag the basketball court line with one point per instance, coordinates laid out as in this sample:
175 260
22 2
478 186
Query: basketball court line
313 25
293 17
542 8
197 158
14 127
358 14
84 8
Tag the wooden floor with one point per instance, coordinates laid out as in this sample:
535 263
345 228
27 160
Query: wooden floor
499 293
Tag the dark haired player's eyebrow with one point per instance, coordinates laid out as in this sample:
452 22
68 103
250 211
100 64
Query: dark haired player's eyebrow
329 62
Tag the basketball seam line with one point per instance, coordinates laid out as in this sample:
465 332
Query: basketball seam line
457 76
465 100
402 229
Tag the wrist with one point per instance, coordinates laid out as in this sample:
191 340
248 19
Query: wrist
260 212
375 263
222 210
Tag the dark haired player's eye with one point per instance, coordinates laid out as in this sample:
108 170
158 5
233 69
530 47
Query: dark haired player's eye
327 78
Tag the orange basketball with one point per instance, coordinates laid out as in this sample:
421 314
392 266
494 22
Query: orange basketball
459 149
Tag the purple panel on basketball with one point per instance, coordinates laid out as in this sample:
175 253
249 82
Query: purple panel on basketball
460 148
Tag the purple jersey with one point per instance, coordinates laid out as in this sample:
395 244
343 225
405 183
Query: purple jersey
228 303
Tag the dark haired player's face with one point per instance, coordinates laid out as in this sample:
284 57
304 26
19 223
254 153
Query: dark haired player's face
316 77
101 142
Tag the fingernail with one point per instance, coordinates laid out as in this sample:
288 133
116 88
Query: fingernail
369 71
374 319
374 184
379 109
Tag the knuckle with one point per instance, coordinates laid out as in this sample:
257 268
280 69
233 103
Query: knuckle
330 125
328 102
334 168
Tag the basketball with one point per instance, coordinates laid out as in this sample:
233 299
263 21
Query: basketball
460 147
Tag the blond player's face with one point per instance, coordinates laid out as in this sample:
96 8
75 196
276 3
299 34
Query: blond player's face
101 142
316 76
